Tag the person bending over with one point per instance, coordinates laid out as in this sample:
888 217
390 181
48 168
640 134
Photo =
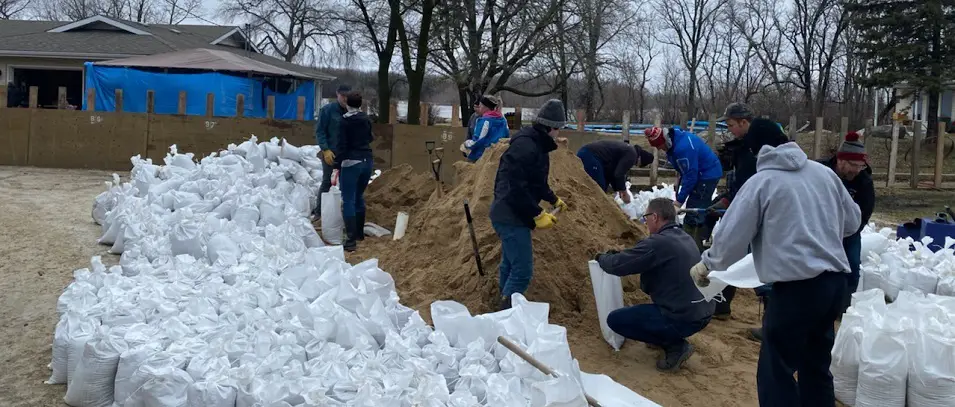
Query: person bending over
608 162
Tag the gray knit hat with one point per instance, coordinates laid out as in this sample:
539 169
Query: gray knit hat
852 149
552 114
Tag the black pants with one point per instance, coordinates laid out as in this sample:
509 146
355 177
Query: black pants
798 333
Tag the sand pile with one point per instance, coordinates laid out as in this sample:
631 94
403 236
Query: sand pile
435 259
397 189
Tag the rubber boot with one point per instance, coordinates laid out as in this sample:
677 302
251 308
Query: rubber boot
723 309
360 217
505 303
351 234
756 334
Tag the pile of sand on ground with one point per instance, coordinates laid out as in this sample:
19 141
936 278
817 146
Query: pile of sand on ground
435 261
398 189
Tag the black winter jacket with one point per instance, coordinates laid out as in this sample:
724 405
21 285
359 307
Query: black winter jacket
354 139
761 132
663 261
862 190
521 181
616 158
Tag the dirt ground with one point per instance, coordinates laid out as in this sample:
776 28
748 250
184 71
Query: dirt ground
47 233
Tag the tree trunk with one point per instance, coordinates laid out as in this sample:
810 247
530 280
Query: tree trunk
691 95
415 83
384 90
467 109
931 122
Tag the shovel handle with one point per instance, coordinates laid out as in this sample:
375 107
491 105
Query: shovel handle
513 347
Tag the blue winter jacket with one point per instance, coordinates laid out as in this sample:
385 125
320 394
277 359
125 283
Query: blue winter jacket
693 160
488 129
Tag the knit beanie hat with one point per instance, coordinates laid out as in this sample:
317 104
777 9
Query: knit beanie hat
764 132
552 114
646 158
852 149
657 137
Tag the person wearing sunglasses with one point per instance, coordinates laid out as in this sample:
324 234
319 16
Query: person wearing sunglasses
662 260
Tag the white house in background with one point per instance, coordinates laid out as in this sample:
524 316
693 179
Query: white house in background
50 54
914 104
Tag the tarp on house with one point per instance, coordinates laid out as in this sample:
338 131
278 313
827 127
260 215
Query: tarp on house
204 59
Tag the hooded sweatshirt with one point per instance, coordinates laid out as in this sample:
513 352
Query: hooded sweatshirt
795 213
488 129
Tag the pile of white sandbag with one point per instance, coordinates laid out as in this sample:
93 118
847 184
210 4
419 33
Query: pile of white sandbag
893 266
898 354
639 201
224 296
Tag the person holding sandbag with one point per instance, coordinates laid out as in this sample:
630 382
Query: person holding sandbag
353 158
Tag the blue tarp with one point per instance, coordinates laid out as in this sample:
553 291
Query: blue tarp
135 83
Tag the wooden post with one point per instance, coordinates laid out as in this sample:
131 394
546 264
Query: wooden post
118 100
210 104
455 116
939 153
711 131
817 139
239 105
625 131
893 154
844 127
868 129
270 107
654 167
423 114
581 120
3 96
300 108
393 113
683 120
61 102
182 103
792 128
33 95
150 101
519 114
915 152
91 99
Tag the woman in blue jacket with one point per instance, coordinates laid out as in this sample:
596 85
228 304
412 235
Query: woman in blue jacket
490 127
700 171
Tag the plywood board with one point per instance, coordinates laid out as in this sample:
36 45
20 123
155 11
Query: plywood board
409 147
14 136
381 147
85 139
194 134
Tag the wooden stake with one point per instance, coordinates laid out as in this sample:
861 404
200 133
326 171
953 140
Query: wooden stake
33 96
893 154
239 105
61 102
455 116
817 139
91 99
844 127
916 152
625 131
683 119
581 120
423 114
270 107
939 153
182 103
3 96
711 131
210 104
792 128
300 108
150 101
118 101
519 114
393 113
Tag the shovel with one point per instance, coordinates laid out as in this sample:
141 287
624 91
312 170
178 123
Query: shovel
474 244
513 347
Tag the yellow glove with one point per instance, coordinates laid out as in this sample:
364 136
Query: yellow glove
699 273
560 204
328 157
545 220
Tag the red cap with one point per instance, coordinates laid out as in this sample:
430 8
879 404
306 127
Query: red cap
655 137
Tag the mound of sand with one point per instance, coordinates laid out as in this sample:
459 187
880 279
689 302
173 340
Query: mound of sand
398 189
435 259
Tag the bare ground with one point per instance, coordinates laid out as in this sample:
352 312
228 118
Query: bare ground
47 233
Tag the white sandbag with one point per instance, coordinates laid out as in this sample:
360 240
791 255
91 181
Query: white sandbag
946 286
557 392
608 291
372 229
290 151
210 394
845 357
78 337
931 378
220 249
332 221
167 387
883 364
61 346
610 393
92 382
185 238
271 213
298 199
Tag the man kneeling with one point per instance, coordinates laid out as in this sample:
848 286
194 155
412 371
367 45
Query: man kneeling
663 260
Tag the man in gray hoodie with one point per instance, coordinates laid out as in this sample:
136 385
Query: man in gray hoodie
795 213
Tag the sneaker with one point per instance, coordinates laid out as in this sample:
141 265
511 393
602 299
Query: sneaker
756 334
674 358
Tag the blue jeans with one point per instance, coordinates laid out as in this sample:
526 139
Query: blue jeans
593 167
352 181
645 323
700 198
797 337
517 258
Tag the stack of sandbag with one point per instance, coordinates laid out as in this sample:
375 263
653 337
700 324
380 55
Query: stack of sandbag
907 265
222 298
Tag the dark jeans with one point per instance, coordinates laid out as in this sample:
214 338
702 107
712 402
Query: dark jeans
853 247
700 198
593 167
352 181
797 338
325 187
517 258
645 323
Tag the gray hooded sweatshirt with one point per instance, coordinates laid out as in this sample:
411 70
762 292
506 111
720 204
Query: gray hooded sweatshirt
795 213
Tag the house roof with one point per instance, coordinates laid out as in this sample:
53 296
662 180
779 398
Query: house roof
100 38
205 59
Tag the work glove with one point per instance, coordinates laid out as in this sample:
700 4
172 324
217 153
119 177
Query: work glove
545 221
328 157
560 205
597 257
699 274
469 143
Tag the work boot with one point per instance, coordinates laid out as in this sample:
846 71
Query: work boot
505 303
360 217
351 235
674 357
756 334
723 309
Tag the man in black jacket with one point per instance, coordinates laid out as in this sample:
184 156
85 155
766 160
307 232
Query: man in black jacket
608 162
663 261
520 185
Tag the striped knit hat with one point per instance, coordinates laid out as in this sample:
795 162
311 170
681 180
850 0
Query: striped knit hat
852 149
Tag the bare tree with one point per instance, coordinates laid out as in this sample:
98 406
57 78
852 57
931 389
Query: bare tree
634 58
690 23
294 30
379 21
140 11
13 8
415 50
601 22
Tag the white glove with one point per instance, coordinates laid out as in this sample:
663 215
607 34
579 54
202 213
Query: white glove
469 143
464 148
699 274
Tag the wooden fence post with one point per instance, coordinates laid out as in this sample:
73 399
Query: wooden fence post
625 131
182 103
581 120
91 99
893 154
915 152
939 153
210 104
240 105
423 114
270 107
817 139
711 131
682 123
300 108
393 113
519 114
61 102
33 96
150 101
793 135
654 167
456 116
118 100
844 127
3 96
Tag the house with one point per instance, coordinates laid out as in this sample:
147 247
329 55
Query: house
913 104
51 54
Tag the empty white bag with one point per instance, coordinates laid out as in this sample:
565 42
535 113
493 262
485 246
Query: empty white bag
608 291
332 221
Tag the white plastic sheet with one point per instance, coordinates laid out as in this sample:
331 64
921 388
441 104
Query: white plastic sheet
608 291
